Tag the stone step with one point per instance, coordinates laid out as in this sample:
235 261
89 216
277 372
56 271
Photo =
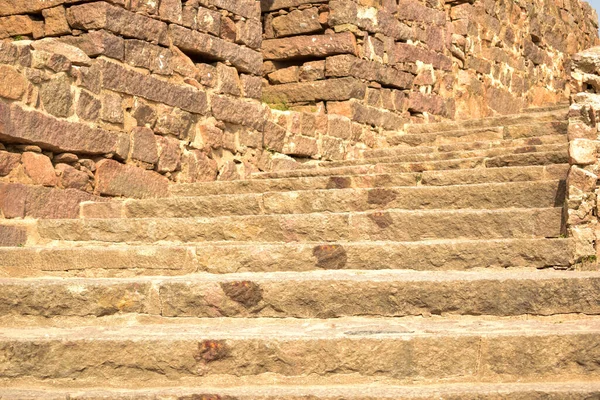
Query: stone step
477 134
510 160
533 118
466 146
571 390
405 350
451 155
539 194
92 260
316 294
394 225
434 178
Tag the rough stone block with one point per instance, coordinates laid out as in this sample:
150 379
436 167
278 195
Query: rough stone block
583 152
347 65
240 112
12 83
55 22
8 162
143 145
98 43
12 236
116 179
326 90
39 168
15 25
309 46
297 22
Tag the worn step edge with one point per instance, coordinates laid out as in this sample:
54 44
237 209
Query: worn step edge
395 225
557 115
450 155
315 294
536 194
433 178
464 350
265 257
571 390
527 159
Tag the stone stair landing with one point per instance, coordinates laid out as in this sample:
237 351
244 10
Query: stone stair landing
437 268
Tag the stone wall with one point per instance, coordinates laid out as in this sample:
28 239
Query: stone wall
124 97
421 60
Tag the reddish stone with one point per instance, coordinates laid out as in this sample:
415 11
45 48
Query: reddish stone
309 46
240 112
169 154
12 83
71 178
143 146
98 43
39 168
197 167
116 179
12 236
8 162
55 22
15 25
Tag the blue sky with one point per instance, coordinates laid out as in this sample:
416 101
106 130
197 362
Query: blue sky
595 4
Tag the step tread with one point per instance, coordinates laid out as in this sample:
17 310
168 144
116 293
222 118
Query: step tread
354 389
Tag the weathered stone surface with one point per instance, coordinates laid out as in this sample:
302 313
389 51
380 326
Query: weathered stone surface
309 46
244 8
197 167
331 90
244 59
19 201
8 162
169 154
208 21
297 22
116 179
583 151
74 54
56 96
55 22
410 53
22 126
15 25
12 83
239 112
118 78
71 178
102 15
98 43
11 236
39 168
347 65
143 145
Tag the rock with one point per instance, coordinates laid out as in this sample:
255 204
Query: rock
115 179
347 65
156 59
239 111
251 86
98 43
101 15
66 158
71 178
21 126
245 8
174 121
297 22
56 96
88 106
285 75
15 25
327 90
249 33
39 168
12 236
228 80
244 59
112 110
12 83
309 46
8 162
55 22
120 79
583 152
208 21
143 145
74 54
197 167
169 154
171 10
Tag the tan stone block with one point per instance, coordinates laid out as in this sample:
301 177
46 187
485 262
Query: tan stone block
12 83
39 168
115 179
583 152
55 22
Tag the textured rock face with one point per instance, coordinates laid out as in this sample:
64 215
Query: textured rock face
202 90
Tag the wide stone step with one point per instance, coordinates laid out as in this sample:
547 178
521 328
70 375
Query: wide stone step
394 225
219 258
316 294
572 390
538 194
533 118
510 160
467 146
410 350
434 178
451 155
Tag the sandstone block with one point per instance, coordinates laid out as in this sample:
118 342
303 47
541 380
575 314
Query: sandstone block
583 152
55 22
409 53
12 83
328 90
309 46
12 236
11 7
71 178
112 110
274 137
429 103
88 106
208 21
249 33
208 136
15 25
21 126
57 46
120 79
116 179
19 201
39 168
197 167
171 10
412 10
169 154
238 111
228 80
245 8
285 75
347 65
300 146
251 86
581 179
143 145
14 53
98 43
139 53
56 96
101 15
297 22
244 59
8 162
173 122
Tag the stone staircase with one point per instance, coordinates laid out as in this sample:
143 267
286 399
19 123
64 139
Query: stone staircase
435 269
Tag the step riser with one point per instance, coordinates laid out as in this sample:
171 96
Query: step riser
219 259
518 195
434 178
384 225
329 296
457 358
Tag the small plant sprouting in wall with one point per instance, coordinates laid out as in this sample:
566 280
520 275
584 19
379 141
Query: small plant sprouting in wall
18 38
276 103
